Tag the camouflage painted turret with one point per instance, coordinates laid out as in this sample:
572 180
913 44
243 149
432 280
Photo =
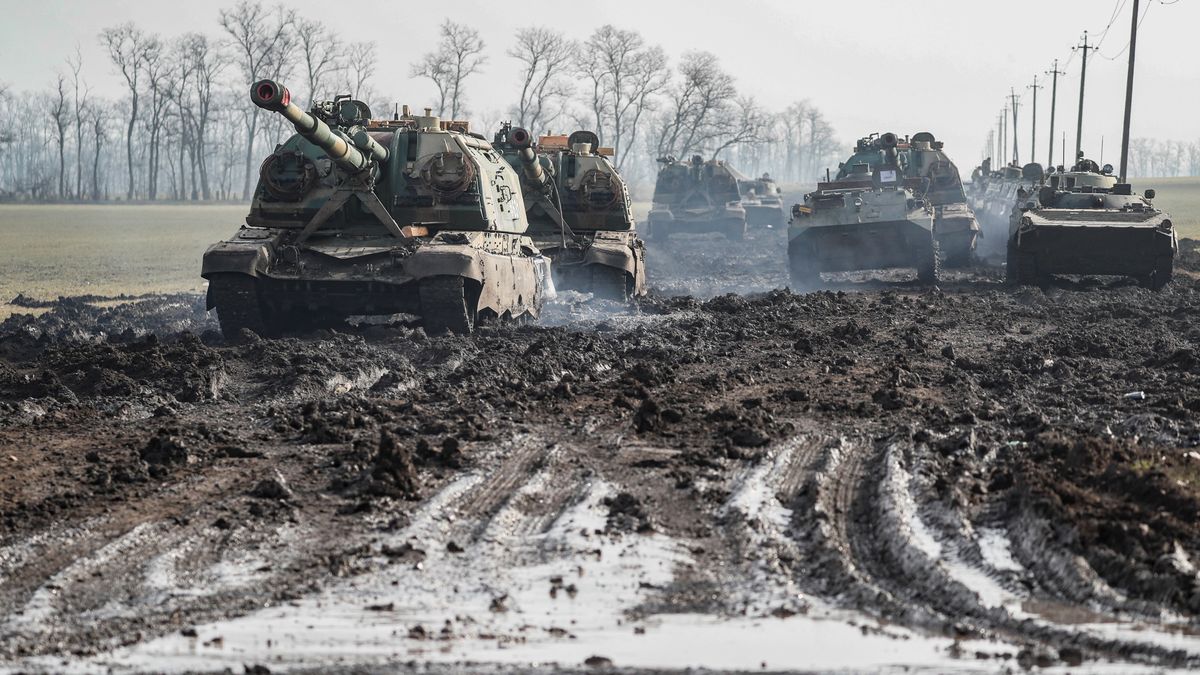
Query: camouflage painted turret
696 196
869 217
354 216
579 212
1084 221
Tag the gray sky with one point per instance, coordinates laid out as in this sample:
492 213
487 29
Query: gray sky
871 65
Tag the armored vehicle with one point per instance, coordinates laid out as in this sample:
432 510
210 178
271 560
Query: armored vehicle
354 216
761 198
995 196
579 212
1085 222
696 196
868 217
954 223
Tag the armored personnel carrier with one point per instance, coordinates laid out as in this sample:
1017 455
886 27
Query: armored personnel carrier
354 216
761 198
579 212
995 197
1083 221
696 196
868 217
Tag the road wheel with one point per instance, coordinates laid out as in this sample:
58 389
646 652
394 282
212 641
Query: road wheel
1012 264
235 298
609 284
804 271
1022 268
929 268
445 307
1164 268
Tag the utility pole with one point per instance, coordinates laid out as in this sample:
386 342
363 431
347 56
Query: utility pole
998 157
1053 100
1033 118
1129 92
1016 154
1082 82
1004 133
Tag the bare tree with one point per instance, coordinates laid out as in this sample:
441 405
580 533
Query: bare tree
458 56
60 112
360 66
98 117
625 75
158 71
260 36
545 56
747 125
324 54
204 61
126 46
704 94
75 62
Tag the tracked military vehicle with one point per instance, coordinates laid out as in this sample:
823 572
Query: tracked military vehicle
696 196
761 198
579 212
995 195
954 223
1084 221
354 216
868 217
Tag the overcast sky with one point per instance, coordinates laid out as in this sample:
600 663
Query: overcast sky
872 65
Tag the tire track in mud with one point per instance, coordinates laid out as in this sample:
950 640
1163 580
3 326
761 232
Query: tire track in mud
900 559
496 556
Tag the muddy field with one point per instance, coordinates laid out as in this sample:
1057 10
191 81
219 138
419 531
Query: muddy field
878 476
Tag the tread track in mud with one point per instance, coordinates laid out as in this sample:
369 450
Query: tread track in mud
954 474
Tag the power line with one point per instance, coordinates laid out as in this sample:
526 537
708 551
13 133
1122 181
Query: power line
1111 20
1116 56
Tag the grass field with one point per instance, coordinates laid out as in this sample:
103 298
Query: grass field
1179 197
52 250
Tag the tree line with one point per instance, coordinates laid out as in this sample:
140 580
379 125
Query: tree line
183 129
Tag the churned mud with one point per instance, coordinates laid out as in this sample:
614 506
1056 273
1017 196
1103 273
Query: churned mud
876 476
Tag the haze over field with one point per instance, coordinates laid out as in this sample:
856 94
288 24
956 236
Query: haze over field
870 65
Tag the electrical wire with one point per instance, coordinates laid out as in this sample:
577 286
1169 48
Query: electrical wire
1116 56
1111 20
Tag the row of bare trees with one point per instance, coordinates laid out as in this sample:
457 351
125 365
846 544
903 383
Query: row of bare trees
1153 157
182 130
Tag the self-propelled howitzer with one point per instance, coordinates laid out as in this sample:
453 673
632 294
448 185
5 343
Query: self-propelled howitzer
579 212
355 216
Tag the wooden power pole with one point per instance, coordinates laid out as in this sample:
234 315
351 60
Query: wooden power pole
1129 93
1054 73
1033 119
1082 81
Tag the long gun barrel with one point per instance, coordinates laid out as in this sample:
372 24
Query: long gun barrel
530 166
270 95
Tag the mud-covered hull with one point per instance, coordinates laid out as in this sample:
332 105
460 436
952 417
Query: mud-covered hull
263 285
957 232
764 214
1145 252
861 246
608 264
729 220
